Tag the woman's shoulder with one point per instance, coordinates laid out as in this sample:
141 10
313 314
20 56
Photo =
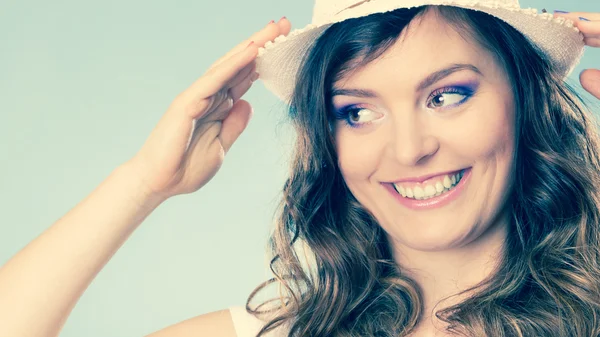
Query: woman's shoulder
245 323
248 325
232 322
217 323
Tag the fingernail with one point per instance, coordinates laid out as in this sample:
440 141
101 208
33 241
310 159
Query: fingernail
561 12
270 22
583 19
283 17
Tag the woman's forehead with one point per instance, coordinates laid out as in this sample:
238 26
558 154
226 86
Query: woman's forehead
428 44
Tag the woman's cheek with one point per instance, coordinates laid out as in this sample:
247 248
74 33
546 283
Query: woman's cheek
358 155
484 129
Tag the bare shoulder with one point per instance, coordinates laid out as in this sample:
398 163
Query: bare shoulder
217 324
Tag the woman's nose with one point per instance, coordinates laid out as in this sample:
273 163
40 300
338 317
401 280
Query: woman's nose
411 141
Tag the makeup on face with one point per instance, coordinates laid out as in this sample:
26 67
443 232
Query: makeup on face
360 107
425 137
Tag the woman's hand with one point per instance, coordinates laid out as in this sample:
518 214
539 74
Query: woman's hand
187 147
590 78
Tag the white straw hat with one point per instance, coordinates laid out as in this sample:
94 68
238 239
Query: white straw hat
279 61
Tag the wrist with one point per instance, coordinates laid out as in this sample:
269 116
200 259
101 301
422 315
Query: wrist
141 194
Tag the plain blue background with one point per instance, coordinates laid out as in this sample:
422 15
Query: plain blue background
82 84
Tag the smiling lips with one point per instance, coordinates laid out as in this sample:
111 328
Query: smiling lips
429 188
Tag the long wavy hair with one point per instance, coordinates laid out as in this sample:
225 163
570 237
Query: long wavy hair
332 262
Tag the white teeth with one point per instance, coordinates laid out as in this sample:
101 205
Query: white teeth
439 187
419 193
402 191
428 191
447 182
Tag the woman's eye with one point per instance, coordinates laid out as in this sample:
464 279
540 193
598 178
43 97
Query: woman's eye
356 116
359 115
446 99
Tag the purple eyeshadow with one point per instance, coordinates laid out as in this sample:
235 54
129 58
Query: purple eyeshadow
466 88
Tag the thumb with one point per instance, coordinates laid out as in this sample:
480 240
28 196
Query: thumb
235 122
590 80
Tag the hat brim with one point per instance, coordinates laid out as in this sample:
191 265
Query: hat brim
279 61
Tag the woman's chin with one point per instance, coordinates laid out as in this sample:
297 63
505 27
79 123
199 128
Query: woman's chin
432 238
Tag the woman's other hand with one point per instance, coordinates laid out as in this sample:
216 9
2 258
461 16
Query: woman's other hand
187 147
589 25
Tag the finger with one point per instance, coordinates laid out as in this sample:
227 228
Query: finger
284 26
268 33
590 80
241 88
592 41
576 15
235 123
196 99
223 100
218 77
589 28
227 98
245 73
219 111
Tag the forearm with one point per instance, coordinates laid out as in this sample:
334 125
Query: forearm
42 283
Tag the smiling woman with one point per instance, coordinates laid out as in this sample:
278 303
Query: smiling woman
458 121
444 179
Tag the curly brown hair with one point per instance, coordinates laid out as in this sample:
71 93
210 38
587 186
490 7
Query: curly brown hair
332 261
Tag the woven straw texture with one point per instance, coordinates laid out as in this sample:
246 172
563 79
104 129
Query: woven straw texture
278 62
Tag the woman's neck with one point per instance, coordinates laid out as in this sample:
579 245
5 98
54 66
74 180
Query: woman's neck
444 273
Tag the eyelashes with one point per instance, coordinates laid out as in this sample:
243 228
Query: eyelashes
466 92
358 115
350 112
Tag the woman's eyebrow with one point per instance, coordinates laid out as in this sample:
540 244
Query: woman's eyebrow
443 73
353 92
428 81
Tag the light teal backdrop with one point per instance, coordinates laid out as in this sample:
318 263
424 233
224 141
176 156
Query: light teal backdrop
82 84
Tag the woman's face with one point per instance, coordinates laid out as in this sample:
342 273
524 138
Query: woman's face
433 106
